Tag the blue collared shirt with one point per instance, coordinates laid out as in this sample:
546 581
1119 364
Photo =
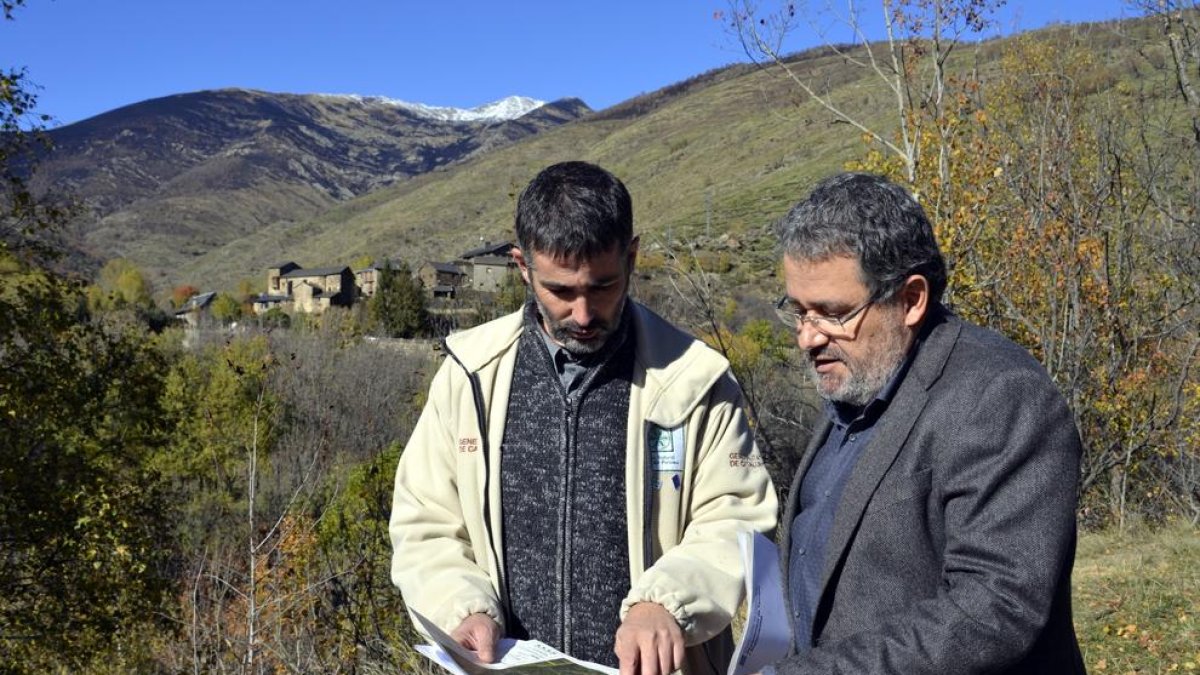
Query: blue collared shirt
820 493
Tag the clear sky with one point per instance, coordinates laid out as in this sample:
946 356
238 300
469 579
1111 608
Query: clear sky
90 56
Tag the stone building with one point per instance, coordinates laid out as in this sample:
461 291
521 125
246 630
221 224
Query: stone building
486 267
312 291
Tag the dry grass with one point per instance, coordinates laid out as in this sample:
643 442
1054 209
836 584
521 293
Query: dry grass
1137 596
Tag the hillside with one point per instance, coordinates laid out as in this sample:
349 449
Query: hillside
731 142
210 188
726 152
168 179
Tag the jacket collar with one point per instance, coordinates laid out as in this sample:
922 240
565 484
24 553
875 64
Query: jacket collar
675 370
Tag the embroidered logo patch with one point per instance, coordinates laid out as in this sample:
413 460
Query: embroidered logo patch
667 451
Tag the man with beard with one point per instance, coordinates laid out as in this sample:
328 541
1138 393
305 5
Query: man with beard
931 525
581 469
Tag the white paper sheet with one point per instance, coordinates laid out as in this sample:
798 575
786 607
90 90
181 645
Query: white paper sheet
515 657
765 639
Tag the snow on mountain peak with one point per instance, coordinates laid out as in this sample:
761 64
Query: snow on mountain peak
505 109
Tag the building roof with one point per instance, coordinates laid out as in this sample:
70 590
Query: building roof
380 266
197 302
445 268
493 260
265 298
315 272
289 265
489 248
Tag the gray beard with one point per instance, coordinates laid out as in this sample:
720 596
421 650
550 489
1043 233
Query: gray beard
859 388
864 382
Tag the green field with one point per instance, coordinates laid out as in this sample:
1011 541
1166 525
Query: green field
1136 600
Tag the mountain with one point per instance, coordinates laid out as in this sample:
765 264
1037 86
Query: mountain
168 179
719 155
711 163
211 188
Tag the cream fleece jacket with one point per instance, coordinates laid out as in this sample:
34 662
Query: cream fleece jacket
685 505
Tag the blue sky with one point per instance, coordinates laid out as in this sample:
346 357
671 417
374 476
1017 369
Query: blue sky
90 56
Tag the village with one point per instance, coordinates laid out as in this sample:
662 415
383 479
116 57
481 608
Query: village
293 289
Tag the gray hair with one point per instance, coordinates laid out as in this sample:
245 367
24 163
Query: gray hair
871 219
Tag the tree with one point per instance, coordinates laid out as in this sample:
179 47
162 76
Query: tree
84 523
84 555
910 63
1065 208
398 308
181 294
225 308
512 293
120 285
28 222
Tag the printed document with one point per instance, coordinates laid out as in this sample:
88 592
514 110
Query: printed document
514 657
765 638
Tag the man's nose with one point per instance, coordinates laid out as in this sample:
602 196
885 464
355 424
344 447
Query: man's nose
582 312
808 337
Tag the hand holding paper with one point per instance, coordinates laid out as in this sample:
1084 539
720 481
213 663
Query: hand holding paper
479 633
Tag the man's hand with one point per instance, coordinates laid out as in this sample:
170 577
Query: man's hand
649 642
479 633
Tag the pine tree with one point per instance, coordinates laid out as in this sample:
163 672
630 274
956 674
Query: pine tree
398 308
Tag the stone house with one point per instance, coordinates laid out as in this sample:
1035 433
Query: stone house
275 273
487 266
195 310
488 272
442 279
367 279
312 291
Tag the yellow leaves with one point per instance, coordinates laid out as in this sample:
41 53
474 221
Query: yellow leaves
1128 631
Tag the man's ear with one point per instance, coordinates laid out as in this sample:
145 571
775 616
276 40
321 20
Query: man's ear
518 257
915 294
631 254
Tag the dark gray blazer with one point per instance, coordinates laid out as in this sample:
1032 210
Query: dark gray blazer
952 547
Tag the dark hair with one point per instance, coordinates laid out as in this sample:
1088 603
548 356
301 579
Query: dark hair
872 219
574 210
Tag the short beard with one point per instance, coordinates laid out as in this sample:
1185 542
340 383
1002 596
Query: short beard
869 373
561 331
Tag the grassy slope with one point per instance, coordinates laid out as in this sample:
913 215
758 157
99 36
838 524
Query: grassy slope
1136 600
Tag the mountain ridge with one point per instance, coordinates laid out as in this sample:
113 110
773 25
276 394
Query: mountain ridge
166 179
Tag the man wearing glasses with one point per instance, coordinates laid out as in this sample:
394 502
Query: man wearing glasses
931 525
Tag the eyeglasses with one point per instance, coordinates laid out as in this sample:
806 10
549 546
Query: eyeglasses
830 326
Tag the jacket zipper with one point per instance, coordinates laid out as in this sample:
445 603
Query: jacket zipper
648 476
565 532
481 421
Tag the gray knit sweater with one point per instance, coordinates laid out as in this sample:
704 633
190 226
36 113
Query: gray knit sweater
562 476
